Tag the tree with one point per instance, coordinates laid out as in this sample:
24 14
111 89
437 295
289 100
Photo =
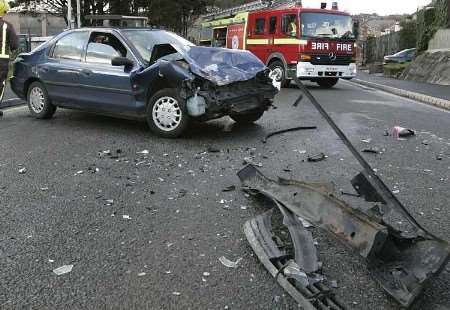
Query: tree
408 34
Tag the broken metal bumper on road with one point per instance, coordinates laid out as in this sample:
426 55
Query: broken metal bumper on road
401 258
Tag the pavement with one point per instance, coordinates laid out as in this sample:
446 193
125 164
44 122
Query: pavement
433 94
146 231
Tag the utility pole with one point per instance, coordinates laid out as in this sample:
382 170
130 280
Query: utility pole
69 13
78 14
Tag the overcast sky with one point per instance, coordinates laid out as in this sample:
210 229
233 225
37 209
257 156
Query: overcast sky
382 7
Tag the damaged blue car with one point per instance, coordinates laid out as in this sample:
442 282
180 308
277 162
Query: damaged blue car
143 74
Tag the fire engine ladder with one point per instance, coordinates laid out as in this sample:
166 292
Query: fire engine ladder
251 6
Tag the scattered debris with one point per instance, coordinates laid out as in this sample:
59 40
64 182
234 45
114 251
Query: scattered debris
366 140
439 157
44 189
22 170
212 149
143 152
229 188
182 193
372 150
228 263
316 158
206 274
141 274
402 260
350 194
176 293
297 102
126 217
400 132
79 172
334 284
249 161
287 130
63 270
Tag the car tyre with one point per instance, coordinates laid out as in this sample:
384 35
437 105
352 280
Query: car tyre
247 118
278 67
39 102
166 113
327 83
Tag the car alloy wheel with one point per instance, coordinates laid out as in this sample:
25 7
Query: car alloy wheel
277 73
37 99
167 113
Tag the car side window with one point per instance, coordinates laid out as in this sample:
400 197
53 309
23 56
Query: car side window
273 24
289 25
103 47
71 46
260 25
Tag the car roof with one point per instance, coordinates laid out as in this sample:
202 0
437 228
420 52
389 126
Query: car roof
118 29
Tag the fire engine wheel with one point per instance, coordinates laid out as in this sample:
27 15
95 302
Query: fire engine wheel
279 72
327 83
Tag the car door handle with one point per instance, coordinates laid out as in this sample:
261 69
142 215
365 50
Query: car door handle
86 72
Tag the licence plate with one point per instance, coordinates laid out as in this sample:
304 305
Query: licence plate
332 69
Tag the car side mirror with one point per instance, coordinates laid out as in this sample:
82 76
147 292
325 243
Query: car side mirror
122 61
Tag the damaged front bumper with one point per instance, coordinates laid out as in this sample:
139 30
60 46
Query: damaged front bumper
236 98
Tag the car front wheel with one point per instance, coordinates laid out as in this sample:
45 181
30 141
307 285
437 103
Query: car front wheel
166 114
247 118
39 103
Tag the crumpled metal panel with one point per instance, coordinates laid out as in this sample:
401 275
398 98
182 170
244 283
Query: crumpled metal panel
321 209
401 262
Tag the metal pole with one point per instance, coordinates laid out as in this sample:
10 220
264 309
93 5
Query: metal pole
69 13
78 14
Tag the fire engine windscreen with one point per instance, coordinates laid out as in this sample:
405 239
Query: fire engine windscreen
325 25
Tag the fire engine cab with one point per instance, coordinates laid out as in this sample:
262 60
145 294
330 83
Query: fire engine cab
316 44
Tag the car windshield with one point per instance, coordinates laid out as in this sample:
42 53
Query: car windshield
325 25
145 40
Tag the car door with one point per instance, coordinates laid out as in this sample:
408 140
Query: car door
106 87
60 73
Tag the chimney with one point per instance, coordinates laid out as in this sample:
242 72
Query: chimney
323 5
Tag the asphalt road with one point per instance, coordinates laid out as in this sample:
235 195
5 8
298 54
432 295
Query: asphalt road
147 231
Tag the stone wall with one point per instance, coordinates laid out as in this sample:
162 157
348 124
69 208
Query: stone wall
430 67
441 40
36 24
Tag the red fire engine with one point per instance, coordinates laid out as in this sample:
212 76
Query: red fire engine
312 44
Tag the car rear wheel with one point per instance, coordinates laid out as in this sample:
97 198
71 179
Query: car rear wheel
39 103
247 118
327 83
279 72
166 114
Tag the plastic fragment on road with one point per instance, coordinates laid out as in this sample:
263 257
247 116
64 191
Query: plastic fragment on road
228 263
400 132
126 217
372 150
316 158
141 274
63 270
229 188
143 152
279 132
176 293
212 149
22 170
